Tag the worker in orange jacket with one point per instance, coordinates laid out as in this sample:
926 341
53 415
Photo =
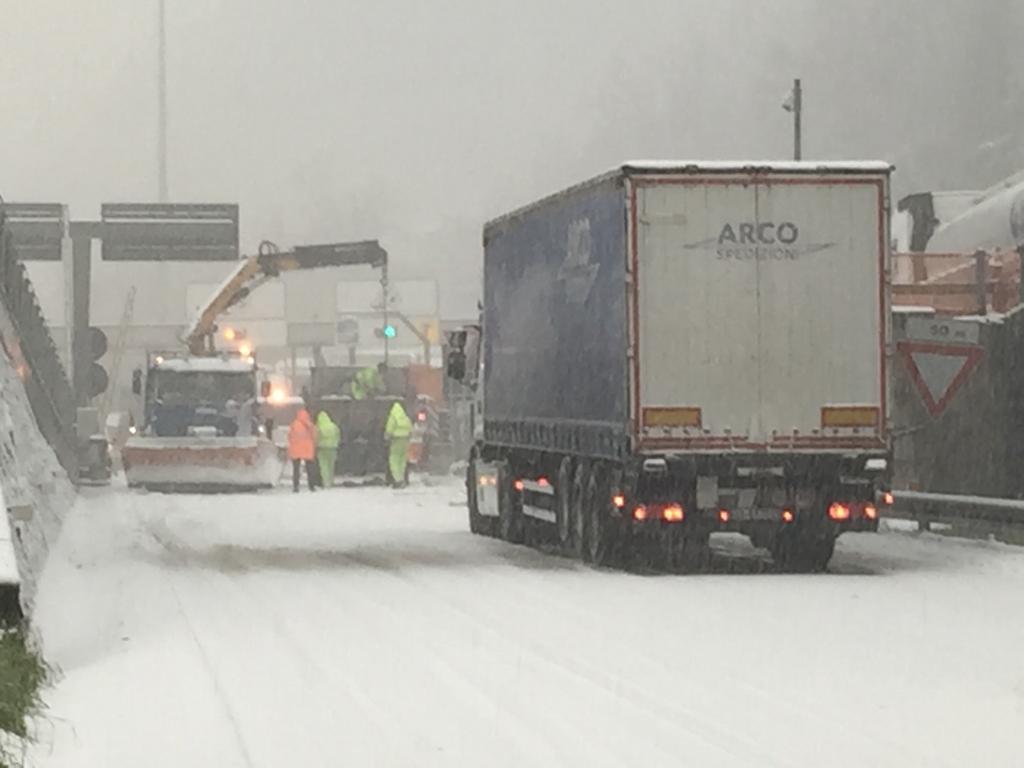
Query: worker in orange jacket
302 450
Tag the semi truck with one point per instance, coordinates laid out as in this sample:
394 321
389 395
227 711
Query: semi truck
675 349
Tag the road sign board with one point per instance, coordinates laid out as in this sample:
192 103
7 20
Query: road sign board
942 330
36 229
171 232
939 370
348 331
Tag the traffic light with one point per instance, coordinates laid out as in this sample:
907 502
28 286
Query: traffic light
387 332
97 380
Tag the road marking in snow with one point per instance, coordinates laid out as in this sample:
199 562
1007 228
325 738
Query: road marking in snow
211 672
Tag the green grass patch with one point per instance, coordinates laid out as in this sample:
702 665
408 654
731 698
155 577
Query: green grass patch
22 676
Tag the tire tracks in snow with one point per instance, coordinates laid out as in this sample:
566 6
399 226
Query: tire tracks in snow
317 689
717 740
723 679
456 680
211 672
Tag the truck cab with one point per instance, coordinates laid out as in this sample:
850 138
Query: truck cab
212 396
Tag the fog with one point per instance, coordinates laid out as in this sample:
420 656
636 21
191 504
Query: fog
416 121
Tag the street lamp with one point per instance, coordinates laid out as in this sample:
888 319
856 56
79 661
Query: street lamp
795 103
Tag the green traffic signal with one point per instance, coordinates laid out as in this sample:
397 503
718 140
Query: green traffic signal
389 331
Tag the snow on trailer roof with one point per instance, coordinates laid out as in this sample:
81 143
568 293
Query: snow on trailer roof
658 167
756 166
206 365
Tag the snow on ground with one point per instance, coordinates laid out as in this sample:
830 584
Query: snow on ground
367 627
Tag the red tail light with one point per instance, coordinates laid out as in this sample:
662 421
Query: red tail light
788 516
518 485
724 516
640 513
839 512
674 513
543 482
888 499
870 511
618 501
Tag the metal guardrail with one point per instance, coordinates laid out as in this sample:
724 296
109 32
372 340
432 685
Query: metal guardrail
968 516
46 382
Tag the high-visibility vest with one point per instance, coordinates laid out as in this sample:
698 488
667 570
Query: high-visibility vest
399 425
366 382
328 434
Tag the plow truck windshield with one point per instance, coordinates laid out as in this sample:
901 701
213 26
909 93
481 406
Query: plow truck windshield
201 396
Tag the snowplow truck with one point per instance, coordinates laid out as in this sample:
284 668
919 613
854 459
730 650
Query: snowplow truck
201 430
672 350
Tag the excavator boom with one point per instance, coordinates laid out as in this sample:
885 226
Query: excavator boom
269 263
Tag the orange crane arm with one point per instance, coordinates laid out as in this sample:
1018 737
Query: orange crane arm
267 264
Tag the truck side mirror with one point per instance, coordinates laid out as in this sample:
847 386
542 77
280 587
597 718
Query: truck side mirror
137 381
456 365
265 389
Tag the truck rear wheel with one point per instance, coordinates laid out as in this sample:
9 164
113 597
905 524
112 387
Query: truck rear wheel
564 506
510 514
803 551
691 552
578 518
599 530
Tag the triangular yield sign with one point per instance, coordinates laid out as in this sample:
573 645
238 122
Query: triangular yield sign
939 370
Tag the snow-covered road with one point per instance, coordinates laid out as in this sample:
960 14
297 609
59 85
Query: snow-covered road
369 628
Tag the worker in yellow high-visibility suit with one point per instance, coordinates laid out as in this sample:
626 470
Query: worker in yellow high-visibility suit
369 381
328 438
398 431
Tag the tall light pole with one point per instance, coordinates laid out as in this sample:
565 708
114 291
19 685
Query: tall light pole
162 106
795 104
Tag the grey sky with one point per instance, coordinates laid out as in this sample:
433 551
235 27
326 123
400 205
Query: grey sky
416 121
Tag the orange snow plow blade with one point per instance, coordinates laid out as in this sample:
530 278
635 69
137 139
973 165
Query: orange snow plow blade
201 465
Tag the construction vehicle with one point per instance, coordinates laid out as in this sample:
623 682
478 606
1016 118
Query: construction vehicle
671 350
363 451
961 250
202 428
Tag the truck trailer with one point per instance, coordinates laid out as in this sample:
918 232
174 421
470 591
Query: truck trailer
675 349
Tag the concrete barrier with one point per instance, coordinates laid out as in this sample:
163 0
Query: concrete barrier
10 579
35 489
